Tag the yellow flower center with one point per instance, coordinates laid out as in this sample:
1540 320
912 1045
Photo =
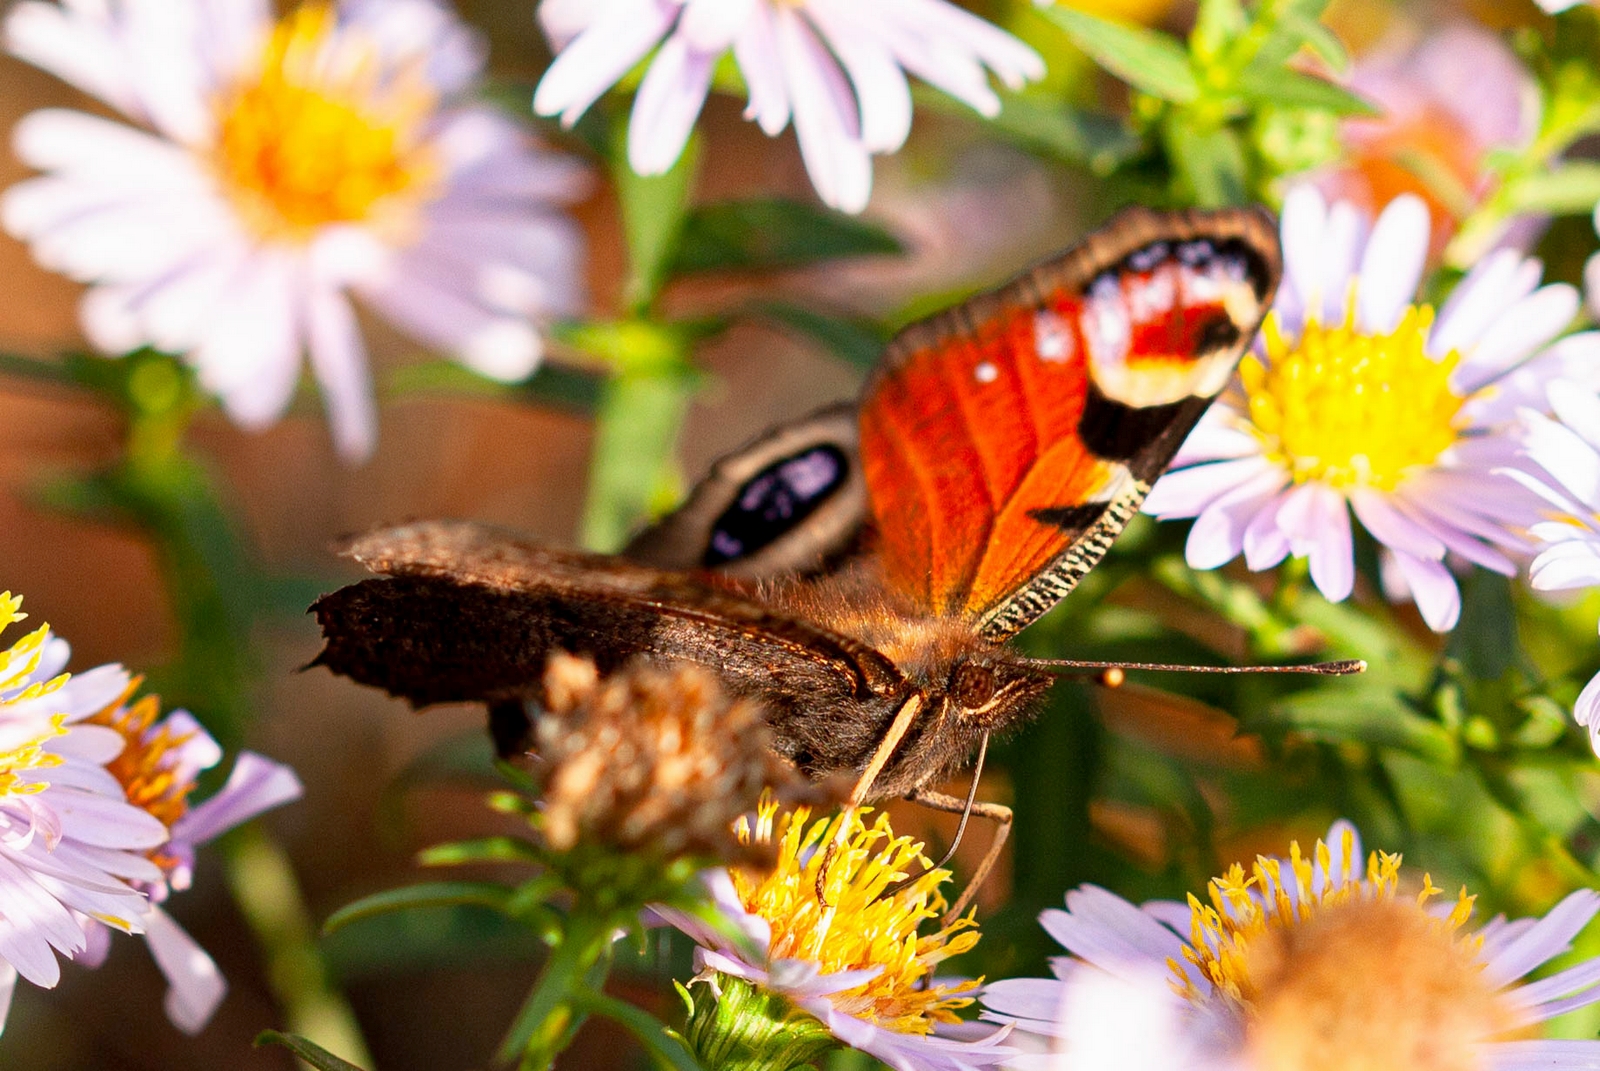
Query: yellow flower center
321 134
23 754
1350 409
144 767
1350 977
858 928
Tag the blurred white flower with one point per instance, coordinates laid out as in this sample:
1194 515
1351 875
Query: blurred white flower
282 168
72 848
1566 453
837 69
1356 399
1303 964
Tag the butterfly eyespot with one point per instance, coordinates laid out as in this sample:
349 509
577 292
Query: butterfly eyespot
774 501
971 685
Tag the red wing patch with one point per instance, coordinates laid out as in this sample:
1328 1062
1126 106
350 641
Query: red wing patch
1007 440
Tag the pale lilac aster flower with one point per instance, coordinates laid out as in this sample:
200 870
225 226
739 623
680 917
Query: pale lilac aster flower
835 68
1565 452
1450 98
844 963
278 170
72 848
157 768
1355 399
1307 963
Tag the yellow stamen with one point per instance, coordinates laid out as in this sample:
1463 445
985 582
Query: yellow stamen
1350 409
16 663
1347 976
144 767
859 928
1277 896
319 134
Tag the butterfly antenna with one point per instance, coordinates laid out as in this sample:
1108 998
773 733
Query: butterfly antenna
1111 672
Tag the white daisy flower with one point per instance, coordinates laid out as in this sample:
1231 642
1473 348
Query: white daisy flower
1306 964
278 170
837 69
1566 453
855 959
72 848
1358 400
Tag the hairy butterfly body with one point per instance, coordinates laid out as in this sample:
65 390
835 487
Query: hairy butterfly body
860 571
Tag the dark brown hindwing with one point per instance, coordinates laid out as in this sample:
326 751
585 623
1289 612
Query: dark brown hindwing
467 613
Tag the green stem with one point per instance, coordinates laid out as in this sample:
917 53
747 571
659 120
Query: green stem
263 884
554 1010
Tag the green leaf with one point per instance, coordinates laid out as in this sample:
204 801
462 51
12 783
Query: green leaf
1052 128
1322 42
1485 640
428 894
858 342
1289 27
33 369
482 850
428 938
1216 23
1209 164
1145 59
1371 715
555 385
1569 189
662 1045
307 1050
774 233
1288 88
653 212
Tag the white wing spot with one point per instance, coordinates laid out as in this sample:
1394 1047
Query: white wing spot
986 373
1052 337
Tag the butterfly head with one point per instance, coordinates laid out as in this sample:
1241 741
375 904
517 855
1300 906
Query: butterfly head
990 691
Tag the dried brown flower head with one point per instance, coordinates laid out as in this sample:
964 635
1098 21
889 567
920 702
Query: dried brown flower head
653 758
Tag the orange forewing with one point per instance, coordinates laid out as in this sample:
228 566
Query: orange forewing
945 462
995 433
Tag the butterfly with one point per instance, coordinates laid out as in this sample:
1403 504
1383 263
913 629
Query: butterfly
860 571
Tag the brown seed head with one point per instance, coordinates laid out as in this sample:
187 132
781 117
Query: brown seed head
653 758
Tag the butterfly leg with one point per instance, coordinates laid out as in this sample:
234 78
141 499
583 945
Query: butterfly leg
510 727
998 813
858 795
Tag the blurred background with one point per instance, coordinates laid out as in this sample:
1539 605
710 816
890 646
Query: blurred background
434 990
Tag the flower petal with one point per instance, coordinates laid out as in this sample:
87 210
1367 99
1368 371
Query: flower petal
1391 266
1546 939
256 784
1433 588
593 61
668 102
824 118
197 987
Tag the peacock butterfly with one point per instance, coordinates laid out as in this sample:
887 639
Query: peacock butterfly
861 570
